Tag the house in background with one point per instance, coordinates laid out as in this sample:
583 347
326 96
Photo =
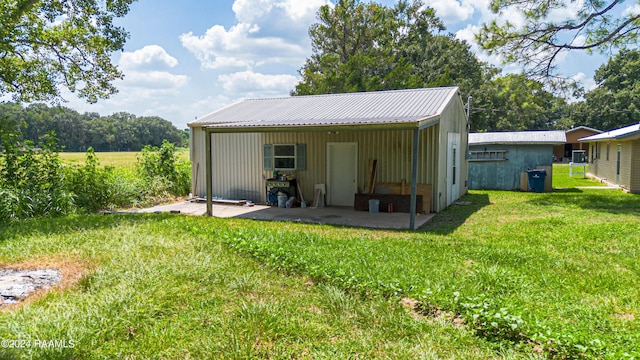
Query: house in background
417 135
498 159
615 156
562 153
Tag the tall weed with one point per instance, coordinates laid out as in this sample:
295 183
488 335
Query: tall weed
164 173
32 179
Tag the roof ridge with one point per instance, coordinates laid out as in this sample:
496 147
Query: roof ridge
359 93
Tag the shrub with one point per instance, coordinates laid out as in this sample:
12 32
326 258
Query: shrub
163 171
32 179
90 184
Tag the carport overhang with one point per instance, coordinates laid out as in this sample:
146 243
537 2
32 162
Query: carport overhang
414 125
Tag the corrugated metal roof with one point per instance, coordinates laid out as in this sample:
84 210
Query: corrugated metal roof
618 134
518 137
363 108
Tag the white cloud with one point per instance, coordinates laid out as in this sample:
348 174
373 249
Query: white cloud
631 10
142 74
569 12
452 11
251 84
150 56
588 82
247 11
302 10
240 47
251 11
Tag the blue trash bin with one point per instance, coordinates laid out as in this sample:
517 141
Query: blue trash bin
536 179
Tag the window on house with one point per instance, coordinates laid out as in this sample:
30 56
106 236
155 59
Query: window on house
488 155
607 154
285 156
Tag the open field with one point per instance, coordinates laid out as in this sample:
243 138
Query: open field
116 159
506 275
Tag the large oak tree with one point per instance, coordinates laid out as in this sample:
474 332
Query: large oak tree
367 47
49 44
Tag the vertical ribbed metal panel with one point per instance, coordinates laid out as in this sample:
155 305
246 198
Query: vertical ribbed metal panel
198 169
391 148
237 166
635 167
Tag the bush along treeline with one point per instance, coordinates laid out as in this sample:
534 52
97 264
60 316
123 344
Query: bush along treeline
35 183
77 132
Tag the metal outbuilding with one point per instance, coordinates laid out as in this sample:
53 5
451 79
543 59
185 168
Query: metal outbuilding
497 160
416 136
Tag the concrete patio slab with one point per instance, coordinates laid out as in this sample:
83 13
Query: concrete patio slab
328 215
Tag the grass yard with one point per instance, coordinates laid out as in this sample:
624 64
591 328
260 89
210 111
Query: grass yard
508 275
116 159
554 273
561 178
164 287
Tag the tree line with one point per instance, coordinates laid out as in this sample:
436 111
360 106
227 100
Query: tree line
77 132
363 46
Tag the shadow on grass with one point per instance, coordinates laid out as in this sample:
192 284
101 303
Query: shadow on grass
608 201
455 215
69 224
567 190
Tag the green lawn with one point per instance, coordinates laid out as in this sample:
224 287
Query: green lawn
164 287
509 275
562 180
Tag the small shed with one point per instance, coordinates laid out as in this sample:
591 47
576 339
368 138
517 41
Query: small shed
498 159
615 156
562 153
415 137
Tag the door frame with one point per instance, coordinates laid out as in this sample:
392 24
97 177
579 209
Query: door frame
355 169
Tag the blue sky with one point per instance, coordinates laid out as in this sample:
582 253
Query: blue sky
185 59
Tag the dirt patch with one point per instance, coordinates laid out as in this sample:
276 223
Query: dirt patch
36 277
429 312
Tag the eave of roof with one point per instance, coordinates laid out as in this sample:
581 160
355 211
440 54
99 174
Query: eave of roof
396 109
631 132
584 128
557 137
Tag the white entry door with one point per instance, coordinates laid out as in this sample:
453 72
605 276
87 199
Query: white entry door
342 165
453 167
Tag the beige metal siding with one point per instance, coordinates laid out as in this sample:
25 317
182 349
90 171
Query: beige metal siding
198 169
635 167
625 164
602 167
607 169
392 149
452 120
237 166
